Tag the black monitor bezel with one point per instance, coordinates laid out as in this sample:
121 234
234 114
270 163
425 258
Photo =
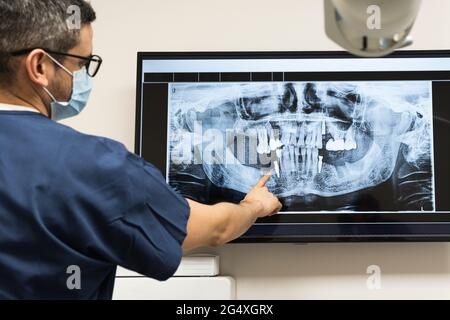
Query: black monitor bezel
445 217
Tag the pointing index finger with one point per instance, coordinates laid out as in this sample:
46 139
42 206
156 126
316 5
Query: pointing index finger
262 182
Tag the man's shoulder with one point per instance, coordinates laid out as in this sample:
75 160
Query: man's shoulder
81 142
70 148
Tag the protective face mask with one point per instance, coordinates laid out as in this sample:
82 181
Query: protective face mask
81 89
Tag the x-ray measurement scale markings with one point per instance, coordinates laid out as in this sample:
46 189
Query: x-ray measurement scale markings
432 147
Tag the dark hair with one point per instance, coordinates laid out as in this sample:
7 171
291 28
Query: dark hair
28 24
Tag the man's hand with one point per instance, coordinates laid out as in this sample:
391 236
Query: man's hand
218 224
260 198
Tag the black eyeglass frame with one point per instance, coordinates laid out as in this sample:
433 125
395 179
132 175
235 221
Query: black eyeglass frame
89 59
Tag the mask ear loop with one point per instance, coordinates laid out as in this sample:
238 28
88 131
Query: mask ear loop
59 64
49 93
65 69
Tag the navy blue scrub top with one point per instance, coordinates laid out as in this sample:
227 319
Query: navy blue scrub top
69 199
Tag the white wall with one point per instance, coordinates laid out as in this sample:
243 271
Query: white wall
262 271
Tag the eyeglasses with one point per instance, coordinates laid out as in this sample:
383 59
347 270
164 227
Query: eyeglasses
93 62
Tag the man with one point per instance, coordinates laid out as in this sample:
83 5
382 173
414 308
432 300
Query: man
70 202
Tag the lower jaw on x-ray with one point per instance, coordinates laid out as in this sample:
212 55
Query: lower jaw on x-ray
330 146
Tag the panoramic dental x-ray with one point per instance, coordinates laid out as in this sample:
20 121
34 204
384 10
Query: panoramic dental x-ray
330 146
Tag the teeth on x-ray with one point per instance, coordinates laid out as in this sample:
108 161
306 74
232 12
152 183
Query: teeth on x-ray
319 167
324 139
274 142
277 168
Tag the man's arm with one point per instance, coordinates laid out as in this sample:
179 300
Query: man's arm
221 223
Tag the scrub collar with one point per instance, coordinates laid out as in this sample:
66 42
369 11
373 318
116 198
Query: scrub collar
10 107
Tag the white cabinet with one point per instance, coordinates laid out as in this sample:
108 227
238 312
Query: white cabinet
177 288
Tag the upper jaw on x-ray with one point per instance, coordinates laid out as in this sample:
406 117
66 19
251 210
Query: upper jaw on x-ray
321 138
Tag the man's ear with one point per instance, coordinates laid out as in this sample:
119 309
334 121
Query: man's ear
37 68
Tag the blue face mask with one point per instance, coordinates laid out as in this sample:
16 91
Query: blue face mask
81 89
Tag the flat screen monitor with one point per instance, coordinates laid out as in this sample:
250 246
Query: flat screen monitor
358 148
